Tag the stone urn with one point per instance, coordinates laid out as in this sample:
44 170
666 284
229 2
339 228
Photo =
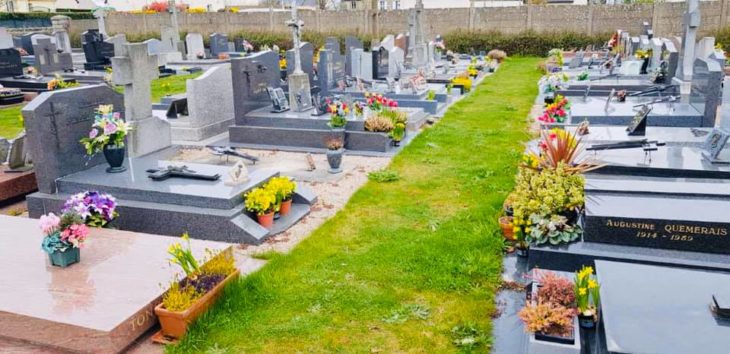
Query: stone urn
334 158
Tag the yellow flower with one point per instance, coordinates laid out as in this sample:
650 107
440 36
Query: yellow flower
592 284
582 291
186 237
516 229
527 229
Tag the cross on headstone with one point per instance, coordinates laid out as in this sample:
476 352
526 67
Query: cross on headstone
52 116
135 71
100 13
296 25
691 22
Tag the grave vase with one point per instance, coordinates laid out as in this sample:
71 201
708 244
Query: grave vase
115 158
334 158
66 258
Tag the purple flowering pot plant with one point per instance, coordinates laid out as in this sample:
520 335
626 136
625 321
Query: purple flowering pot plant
107 135
97 209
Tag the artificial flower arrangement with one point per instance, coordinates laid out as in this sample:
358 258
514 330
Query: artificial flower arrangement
338 111
377 102
191 296
109 129
556 112
587 297
553 82
64 237
58 83
95 208
359 109
275 196
556 55
462 80
643 54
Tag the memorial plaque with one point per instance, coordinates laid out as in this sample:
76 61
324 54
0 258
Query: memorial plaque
714 145
638 124
691 224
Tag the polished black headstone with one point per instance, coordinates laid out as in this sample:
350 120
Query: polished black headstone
10 63
218 44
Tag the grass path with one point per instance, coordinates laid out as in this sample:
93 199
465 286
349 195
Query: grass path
406 266
10 122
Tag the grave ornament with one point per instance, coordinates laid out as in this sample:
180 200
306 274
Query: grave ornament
162 174
278 99
238 174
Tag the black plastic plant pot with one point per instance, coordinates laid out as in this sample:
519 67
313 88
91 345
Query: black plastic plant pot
554 339
549 98
586 322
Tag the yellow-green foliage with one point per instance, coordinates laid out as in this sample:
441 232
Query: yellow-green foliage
283 187
260 201
219 264
179 299
546 193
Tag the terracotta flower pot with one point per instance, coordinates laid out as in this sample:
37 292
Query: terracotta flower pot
285 207
267 220
175 324
505 222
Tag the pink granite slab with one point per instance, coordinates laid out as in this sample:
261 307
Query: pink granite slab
99 305
16 184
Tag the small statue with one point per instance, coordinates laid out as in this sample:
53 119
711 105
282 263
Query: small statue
238 174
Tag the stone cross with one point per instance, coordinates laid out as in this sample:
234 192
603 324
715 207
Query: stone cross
135 71
691 23
100 13
417 47
296 25
171 6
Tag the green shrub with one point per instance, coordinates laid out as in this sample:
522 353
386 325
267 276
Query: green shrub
19 16
384 176
528 43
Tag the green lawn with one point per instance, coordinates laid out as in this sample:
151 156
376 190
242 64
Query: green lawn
168 86
10 122
406 266
11 125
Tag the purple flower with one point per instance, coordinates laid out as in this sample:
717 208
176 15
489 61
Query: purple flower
93 133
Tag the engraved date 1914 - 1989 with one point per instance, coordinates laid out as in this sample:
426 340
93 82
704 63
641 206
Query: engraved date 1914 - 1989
670 232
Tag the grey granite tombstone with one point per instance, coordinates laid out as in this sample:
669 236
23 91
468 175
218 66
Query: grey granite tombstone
210 106
218 44
647 30
396 60
195 46
48 58
18 153
351 43
306 51
635 45
388 42
55 122
644 42
325 72
63 41
706 92
691 23
333 45
38 36
10 63
135 71
718 56
356 64
118 41
154 46
27 43
250 78
705 47
6 39
401 42
671 56
4 147
418 47
169 39
656 53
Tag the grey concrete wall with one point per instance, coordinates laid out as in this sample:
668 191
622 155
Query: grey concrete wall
665 17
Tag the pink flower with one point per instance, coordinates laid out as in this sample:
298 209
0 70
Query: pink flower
110 129
93 133
49 223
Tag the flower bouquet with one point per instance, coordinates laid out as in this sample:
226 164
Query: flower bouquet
107 134
96 209
58 83
587 297
338 111
64 237
556 112
378 102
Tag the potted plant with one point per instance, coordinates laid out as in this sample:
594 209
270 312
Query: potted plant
262 202
398 133
549 322
97 209
505 223
64 237
522 246
283 188
553 229
107 134
587 297
338 111
190 297
335 150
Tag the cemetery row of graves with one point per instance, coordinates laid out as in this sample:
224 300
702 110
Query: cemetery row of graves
596 225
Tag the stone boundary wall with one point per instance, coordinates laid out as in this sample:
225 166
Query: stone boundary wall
665 17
